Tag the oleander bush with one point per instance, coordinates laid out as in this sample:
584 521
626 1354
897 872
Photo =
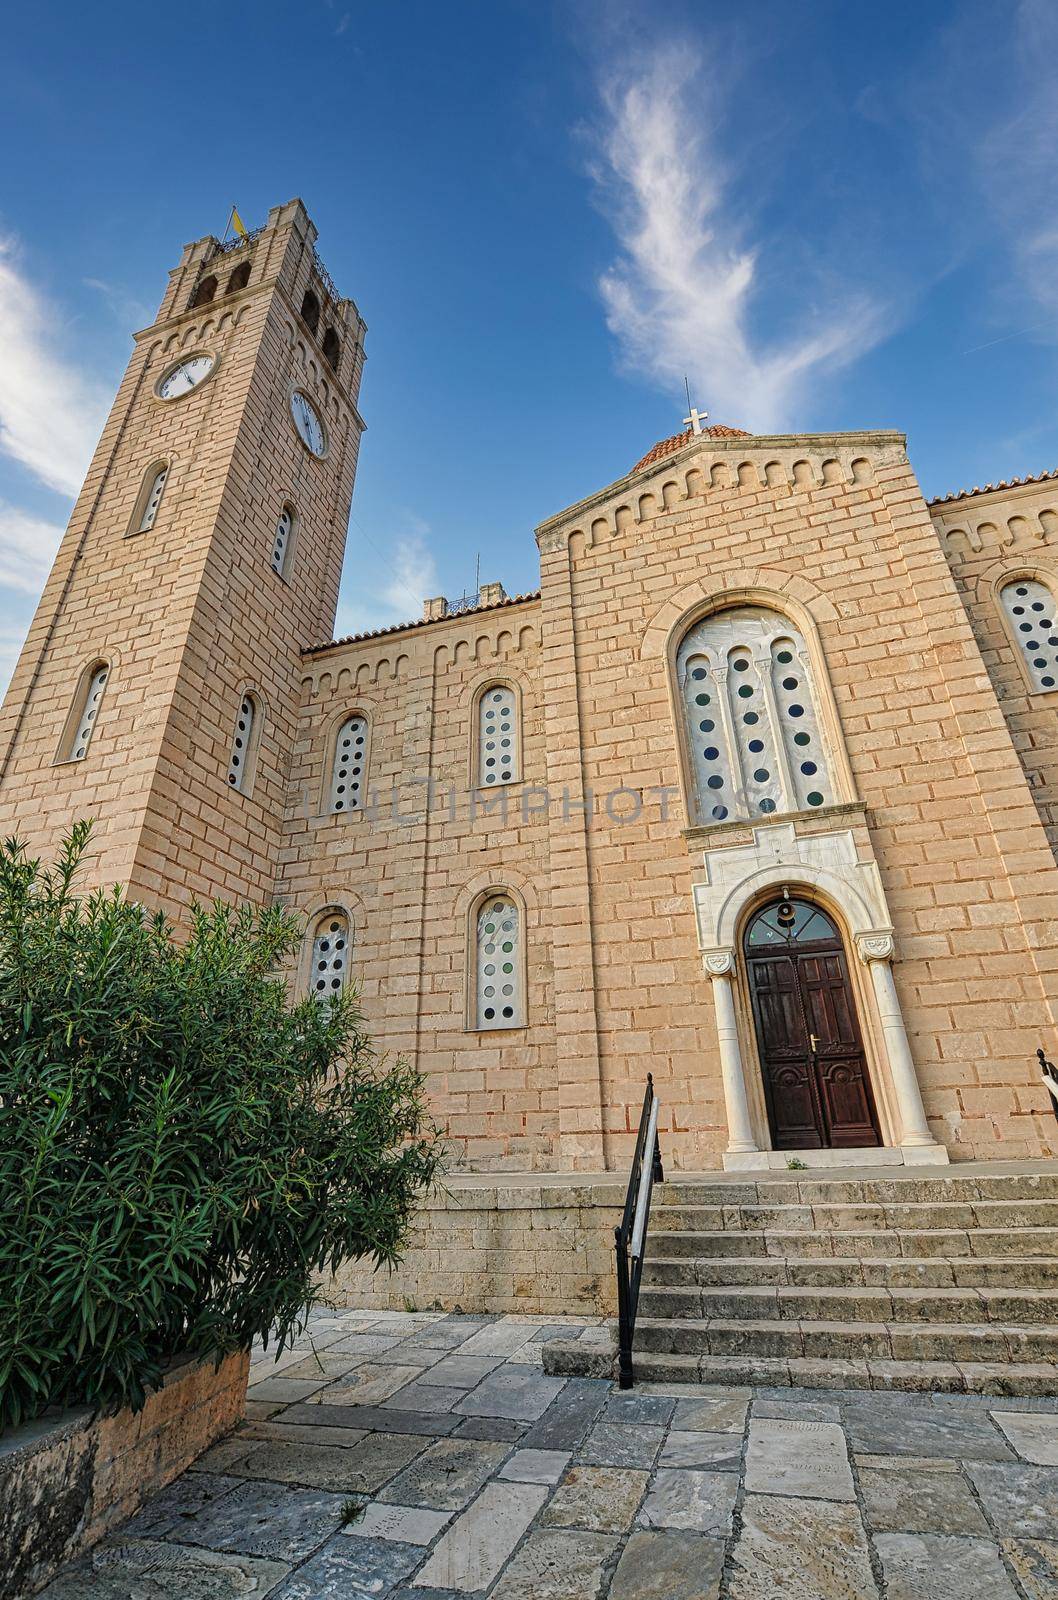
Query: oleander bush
183 1149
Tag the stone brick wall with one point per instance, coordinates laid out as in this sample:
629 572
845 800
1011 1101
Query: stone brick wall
66 1479
537 1246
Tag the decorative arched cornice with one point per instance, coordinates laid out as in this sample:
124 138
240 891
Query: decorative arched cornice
786 592
503 880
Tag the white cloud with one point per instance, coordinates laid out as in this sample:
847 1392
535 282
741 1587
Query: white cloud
681 295
50 414
407 577
27 549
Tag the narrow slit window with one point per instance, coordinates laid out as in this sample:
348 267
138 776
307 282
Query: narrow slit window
151 495
241 745
1033 616
499 1000
282 541
349 767
499 755
330 956
88 713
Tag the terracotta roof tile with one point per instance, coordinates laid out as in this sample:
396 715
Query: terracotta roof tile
991 488
668 447
404 627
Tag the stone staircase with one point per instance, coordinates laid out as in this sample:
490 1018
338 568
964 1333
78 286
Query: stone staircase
859 1281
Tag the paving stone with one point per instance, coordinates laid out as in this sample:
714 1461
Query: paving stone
629 1408
520 1393
286 1390
801 1550
364 1344
797 1410
943 1567
1019 1500
490 1428
261 1410
220 1456
1035 1438
919 1502
368 1385
150 1570
721 1452
1035 1561
565 1422
885 1431
720 1415
556 1564
614 1444
787 1457
446 1475
404 1524
907 1463
424 1397
535 1466
351 1569
425 1594
324 1365
303 1433
499 1339
604 1499
183 1498
462 1372
470 1555
422 1355
668 1566
266 1519
360 1468
701 1502
557 1330
370 1419
444 1335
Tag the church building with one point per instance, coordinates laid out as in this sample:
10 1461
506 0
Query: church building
758 792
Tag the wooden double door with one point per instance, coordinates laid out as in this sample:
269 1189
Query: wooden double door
816 1083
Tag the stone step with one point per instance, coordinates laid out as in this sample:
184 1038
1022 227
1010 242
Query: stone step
854 1303
887 1243
1016 1272
817 1189
953 1215
846 1340
946 1377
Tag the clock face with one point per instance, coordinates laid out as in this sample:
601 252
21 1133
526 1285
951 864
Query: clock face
307 422
186 376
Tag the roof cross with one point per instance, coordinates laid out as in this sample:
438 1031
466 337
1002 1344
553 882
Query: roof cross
696 419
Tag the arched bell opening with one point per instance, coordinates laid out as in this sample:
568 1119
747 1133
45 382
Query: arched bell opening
810 1041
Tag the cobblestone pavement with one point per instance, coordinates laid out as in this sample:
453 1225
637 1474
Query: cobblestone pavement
427 1457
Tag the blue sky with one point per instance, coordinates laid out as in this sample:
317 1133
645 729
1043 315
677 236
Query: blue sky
546 214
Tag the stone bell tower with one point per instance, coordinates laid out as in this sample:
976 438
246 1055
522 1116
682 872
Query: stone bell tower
157 690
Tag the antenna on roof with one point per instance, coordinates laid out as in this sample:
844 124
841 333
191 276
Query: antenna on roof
477 573
687 387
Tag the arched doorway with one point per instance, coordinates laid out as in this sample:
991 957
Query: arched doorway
816 1085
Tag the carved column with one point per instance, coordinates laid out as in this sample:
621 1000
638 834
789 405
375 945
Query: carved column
875 950
720 965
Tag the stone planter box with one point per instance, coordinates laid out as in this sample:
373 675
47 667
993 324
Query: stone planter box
70 1476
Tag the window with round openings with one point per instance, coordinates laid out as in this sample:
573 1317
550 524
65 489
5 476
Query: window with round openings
87 712
349 766
761 744
243 745
1033 615
330 955
282 541
499 1000
499 745
150 497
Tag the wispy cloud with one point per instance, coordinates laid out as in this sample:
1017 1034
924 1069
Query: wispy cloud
407 576
27 549
50 414
682 295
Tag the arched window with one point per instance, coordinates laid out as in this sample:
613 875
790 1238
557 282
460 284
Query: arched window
332 349
1033 614
349 766
149 498
204 291
283 540
310 310
331 942
499 989
498 740
85 712
239 279
244 743
750 717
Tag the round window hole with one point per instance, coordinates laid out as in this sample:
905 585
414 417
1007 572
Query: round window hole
815 798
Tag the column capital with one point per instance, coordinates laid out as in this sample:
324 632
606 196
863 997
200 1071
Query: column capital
719 963
875 946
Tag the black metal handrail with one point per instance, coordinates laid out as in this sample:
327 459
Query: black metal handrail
631 1237
1050 1079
